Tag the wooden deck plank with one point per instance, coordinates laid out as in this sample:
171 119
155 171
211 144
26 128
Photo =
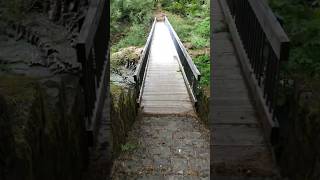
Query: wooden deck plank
166 110
164 97
233 160
233 117
237 135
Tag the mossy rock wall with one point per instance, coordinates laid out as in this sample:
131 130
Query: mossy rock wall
203 107
299 147
123 115
41 129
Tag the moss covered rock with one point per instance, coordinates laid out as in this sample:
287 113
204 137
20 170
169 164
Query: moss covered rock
123 115
126 56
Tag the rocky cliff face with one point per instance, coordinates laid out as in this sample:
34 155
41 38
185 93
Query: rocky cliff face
42 133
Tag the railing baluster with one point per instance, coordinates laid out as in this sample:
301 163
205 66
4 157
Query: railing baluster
264 41
189 69
92 51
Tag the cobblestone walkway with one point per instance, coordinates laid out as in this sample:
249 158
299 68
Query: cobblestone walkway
165 148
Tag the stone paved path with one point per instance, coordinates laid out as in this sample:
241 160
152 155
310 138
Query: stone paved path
165 148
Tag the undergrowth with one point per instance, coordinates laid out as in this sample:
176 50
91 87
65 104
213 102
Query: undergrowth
191 21
130 22
302 23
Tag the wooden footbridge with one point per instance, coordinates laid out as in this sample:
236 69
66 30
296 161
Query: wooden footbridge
166 78
247 45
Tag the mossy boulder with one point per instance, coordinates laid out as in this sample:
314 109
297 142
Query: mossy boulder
126 56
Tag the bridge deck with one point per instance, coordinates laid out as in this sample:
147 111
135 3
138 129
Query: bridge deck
238 146
164 91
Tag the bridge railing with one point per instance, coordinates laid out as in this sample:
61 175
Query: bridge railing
265 45
190 71
141 69
93 54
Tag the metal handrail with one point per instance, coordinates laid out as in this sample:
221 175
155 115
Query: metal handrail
265 43
261 45
189 70
141 70
93 54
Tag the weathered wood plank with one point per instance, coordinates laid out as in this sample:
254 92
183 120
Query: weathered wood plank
254 159
241 101
237 135
166 110
166 97
234 117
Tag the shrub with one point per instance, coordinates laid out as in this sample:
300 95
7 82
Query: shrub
203 28
302 23
203 63
136 36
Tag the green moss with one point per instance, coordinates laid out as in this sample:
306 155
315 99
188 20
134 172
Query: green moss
128 147
17 88
123 115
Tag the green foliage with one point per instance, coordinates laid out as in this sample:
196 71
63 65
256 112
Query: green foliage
190 19
302 23
194 8
128 147
130 11
203 28
198 35
183 27
136 36
177 7
199 42
203 63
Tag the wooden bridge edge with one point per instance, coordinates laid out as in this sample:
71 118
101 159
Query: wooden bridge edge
271 127
143 57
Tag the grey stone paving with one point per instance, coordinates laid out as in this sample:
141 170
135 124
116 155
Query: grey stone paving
165 147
